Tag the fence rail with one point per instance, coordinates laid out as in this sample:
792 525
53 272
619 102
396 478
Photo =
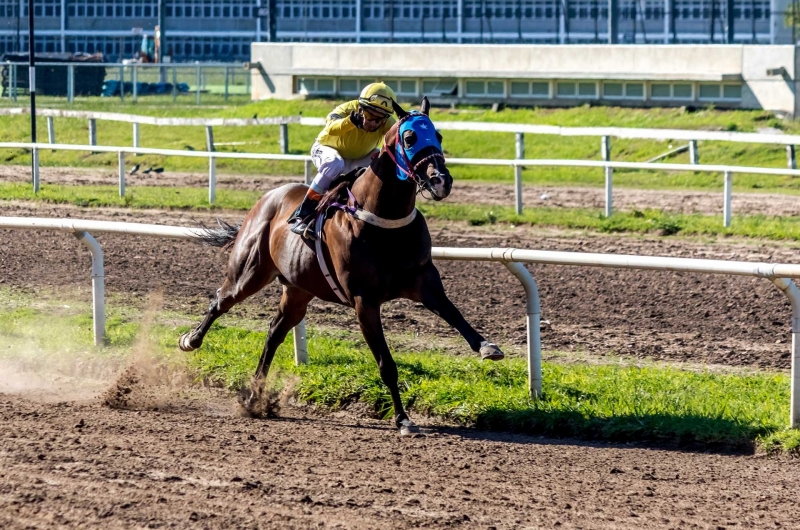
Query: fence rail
516 164
779 274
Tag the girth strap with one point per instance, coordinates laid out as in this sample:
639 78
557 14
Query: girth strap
321 259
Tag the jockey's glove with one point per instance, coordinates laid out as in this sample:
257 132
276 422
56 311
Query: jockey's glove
357 118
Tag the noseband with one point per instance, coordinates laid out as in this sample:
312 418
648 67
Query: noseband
401 160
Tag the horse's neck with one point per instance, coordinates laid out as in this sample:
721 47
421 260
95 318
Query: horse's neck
379 190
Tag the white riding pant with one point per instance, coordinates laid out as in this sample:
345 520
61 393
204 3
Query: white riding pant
330 165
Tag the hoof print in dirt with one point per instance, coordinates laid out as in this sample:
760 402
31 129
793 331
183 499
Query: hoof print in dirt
491 352
257 402
408 427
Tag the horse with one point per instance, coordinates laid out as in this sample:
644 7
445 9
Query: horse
385 257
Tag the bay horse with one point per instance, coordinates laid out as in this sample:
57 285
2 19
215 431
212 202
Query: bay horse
371 264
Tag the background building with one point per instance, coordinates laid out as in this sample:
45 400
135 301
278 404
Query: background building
222 30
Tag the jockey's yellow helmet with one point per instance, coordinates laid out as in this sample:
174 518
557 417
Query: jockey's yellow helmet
377 98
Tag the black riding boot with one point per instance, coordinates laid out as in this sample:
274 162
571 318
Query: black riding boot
303 216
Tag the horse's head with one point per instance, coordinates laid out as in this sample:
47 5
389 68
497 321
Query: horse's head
416 148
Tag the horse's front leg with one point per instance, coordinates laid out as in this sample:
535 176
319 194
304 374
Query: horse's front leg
429 291
369 319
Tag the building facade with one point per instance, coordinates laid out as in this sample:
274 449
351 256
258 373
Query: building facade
222 30
725 76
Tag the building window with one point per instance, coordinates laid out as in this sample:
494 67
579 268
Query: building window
476 88
732 92
682 91
613 90
619 90
566 89
709 92
352 87
660 91
587 90
403 87
528 89
315 85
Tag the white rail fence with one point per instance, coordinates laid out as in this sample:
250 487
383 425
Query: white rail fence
780 275
516 164
518 129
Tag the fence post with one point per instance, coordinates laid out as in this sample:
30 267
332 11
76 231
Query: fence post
605 148
134 79
209 138
307 171
726 206
284 138
121 160
247 77
51 132
212 179
519 146
533 311
71 83
92 131
300 345
609 189
226 83
694 157
197 80
791 161
122 83
135 137
10 78
15 72
174 84
98 287
35 171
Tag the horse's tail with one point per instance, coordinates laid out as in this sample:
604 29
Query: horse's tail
223 235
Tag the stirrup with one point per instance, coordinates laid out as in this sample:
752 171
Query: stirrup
304 230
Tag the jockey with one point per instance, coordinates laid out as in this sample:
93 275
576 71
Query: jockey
351 137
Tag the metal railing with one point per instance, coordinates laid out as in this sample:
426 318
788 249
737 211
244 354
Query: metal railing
175 79
516 164
779 274
518 129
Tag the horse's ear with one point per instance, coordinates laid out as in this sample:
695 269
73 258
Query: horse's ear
399 110
425 106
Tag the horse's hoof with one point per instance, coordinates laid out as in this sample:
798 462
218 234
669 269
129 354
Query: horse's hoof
490 352
183 343
408 427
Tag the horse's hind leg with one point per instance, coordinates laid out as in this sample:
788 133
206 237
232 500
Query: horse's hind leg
429 291
230 294
291 311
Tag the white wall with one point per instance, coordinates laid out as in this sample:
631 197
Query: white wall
282 61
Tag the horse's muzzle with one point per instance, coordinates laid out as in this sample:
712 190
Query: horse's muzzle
439 187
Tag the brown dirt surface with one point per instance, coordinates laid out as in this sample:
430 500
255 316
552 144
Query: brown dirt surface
625 199
656 315
197 464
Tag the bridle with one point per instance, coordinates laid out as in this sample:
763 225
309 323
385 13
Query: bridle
423 184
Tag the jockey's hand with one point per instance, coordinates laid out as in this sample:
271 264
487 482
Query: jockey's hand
357 118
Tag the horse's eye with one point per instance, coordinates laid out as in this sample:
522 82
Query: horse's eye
409 139
439 136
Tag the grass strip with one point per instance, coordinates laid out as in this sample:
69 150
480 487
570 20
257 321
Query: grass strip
472 144
613 402
636 221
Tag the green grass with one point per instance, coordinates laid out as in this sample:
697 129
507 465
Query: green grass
637 222
264 139
611 402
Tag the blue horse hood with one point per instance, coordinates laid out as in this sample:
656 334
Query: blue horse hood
423 128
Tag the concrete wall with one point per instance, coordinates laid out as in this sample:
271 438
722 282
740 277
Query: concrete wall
282 63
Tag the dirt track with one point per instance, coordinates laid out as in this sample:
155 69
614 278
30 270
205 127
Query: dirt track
625 199
196 464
